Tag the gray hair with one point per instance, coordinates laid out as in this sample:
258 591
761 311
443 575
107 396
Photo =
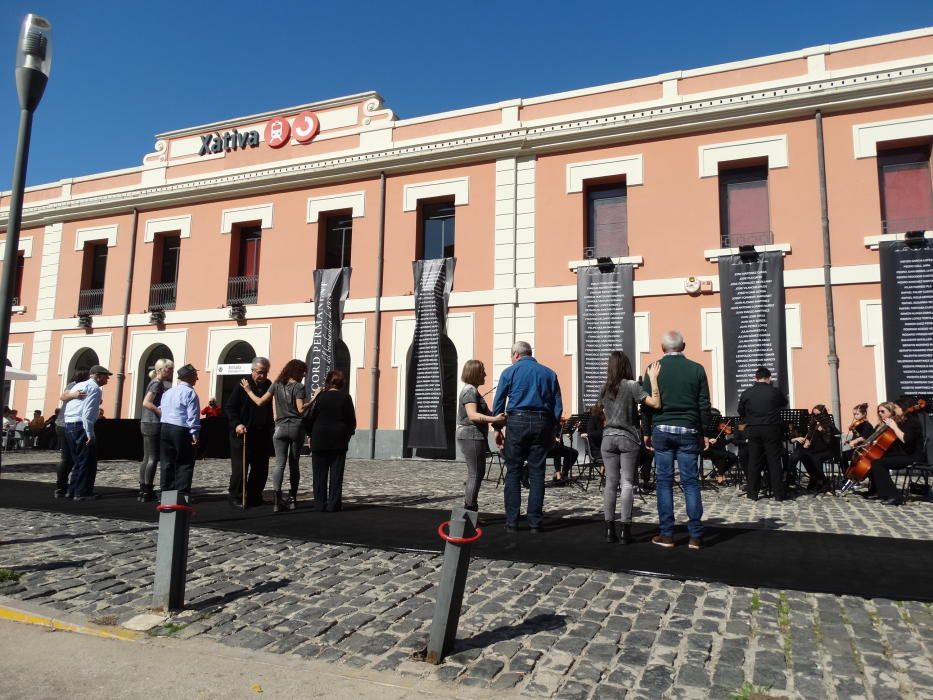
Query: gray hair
264 361
521 348
672 341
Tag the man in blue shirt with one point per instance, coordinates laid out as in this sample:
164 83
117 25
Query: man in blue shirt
530 394
81 415
181 423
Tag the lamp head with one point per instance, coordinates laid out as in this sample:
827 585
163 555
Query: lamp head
33 60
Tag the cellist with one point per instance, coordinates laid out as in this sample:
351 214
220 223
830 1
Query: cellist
904 451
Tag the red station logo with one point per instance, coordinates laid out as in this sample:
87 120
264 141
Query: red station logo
306 126
278 132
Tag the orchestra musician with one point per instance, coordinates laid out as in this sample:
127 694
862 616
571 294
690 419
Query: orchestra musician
720 433
858 433
564 456
815 447
904 451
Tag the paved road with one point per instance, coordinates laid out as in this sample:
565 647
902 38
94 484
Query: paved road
529 629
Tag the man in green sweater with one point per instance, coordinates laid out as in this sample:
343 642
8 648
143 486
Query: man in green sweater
677 434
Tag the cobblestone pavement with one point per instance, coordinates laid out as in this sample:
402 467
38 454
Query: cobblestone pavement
525 629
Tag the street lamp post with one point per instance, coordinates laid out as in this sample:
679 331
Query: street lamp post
33 63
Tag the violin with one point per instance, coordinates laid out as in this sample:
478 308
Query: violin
875 448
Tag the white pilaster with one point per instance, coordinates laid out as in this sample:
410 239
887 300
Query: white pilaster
45 311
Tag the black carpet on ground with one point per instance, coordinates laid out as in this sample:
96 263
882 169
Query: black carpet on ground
736 555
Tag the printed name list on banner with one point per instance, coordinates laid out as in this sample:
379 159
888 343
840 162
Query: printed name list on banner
426 415
907 309
751 296
605 322
331 287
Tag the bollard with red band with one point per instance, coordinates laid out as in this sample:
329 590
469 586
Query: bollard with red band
460 532
172 551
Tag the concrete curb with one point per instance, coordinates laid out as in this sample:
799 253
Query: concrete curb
18 611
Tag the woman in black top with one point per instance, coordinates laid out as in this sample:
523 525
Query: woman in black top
816 447
859 431
906 450
332 422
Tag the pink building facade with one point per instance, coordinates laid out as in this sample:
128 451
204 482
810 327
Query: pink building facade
668 172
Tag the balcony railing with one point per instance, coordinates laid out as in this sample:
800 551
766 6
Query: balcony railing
90 302
737 240
162 296
917 223
243 289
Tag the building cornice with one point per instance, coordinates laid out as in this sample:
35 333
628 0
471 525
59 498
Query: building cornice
662 119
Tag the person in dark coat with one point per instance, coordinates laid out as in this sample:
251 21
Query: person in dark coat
331 423
255 425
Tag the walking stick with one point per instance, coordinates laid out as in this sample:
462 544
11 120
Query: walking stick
244 470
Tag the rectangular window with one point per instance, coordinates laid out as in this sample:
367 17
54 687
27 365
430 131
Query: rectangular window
743 207
91 297
338 237
243 285
906 191
164 286
437 230
606 221
18 279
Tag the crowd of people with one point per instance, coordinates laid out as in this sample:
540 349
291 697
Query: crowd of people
657 420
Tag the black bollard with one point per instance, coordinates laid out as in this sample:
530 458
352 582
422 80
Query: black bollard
453 581
172 551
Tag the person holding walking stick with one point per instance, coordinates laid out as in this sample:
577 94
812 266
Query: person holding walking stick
249 456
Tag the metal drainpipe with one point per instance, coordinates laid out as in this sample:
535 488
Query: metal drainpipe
121 368
832 358
374 371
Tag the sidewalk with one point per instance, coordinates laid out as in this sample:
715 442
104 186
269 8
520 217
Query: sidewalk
39 662
526 629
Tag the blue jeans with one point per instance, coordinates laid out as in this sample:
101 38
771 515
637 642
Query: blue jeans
528 437
83 460
686 449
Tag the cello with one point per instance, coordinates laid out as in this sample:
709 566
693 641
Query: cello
874 448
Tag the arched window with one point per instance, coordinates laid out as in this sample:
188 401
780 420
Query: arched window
84 359
146 365
238 353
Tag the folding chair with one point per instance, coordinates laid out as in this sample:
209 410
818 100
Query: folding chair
494 457
590 466
919 473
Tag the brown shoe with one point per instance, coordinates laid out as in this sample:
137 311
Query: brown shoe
695 543
663 541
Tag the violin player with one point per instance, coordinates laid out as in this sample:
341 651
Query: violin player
760 411
857 434
719 433
905 450
816 446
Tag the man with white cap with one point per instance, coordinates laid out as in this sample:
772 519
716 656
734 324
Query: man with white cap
81 415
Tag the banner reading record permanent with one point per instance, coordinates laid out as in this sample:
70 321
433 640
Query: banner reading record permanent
331 287
426 420
751 295
605 322
907 310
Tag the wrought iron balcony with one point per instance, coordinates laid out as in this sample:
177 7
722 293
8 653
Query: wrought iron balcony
917 223
243 289
90 302
162 296
746 238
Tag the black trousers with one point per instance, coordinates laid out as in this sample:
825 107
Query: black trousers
812 462
258 447
564 458
327 468
764 448
176 458
881 474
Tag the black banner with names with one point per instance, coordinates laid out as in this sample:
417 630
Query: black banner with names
331 287
751 297
605 322
426 424
907 309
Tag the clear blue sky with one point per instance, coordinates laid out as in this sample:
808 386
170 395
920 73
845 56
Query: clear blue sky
125 70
